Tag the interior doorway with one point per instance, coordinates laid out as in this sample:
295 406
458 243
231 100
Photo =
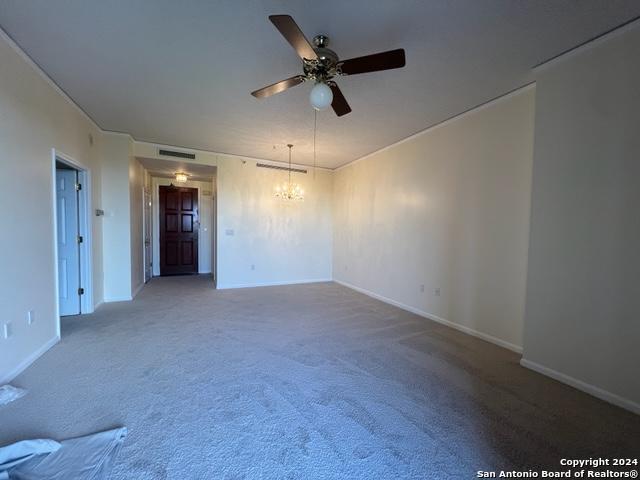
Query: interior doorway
179 226
162 173
72 236
69 238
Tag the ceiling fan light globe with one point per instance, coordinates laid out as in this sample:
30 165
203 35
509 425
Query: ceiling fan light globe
321 96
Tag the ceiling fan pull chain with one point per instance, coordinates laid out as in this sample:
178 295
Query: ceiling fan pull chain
315 129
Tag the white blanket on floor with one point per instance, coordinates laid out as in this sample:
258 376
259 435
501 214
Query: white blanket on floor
83 458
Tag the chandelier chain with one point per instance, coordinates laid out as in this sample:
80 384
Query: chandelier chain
290 147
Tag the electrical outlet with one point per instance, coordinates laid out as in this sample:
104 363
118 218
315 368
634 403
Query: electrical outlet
422 288
253 267
31 317
7 331
436 292
229 232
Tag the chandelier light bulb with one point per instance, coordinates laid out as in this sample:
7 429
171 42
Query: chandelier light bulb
290 191
321 96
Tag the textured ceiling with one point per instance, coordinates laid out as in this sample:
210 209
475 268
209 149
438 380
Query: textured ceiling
180 72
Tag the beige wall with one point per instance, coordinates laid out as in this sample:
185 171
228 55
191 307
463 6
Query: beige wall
34 118
136 222
116 158
583 298
449 210
286 242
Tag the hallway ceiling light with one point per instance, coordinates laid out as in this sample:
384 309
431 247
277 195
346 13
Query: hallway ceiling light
288 190
181 177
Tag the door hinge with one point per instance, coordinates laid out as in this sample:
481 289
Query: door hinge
80 239
78 187
81 291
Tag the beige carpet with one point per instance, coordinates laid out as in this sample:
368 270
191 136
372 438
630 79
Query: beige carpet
302 381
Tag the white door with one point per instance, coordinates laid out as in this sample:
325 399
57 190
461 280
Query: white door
147 236
68 242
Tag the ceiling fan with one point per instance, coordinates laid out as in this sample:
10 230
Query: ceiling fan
321 64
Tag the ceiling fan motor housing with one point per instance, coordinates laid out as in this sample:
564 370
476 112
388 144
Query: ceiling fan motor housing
324 67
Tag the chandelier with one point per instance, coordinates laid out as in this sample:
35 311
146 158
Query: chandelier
288 190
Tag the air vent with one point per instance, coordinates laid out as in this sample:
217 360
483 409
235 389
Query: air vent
171 153
277 167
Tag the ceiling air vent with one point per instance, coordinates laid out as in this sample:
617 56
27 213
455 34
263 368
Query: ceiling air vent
172 153
277 167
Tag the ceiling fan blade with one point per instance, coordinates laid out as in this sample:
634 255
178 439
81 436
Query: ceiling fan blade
373 63
292 34
339 103
278 87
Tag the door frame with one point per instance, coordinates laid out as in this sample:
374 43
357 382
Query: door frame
85 230
156 182
147 231
160 222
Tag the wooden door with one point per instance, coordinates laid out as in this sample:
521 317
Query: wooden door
178 230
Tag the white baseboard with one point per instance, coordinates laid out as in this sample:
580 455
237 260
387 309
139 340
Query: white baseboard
137 290
22 366
583 386
435 318
270 284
